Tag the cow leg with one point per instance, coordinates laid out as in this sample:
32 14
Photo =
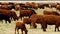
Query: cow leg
1 21
30 25
9 20
21 31
58 28
26 31
29 16
44 27
33 25
17 30
5 21
55 28
41 26
21 18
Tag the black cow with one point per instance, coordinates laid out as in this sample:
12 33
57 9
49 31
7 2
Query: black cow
5 17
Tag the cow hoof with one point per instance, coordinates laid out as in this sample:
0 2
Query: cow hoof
58 30
44 30
55 30
35 27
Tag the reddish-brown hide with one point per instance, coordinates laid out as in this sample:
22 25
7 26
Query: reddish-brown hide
20 25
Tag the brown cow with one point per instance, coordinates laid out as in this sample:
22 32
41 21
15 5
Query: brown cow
53 5
58 7
34 20
4 3
17 6
41 6
21 26
44 20
35 5
10 13
28 5
11 3
48 12
27 21
45 4
7 7
4 7
26 13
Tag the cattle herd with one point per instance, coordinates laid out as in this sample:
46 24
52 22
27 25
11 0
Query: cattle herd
27 9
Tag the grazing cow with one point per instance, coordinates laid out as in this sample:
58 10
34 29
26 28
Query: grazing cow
53 5
47 12
21 26
17 6
21 6
27 21
45 20
7 7
11 3
4 7
10 13
5 17
34 20
45 4
41 6
4 3
24 6
35 5
58 7
26 13
28 5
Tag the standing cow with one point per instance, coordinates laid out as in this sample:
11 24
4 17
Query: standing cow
49 12
26 13
45 20
21 26
5 17
10 13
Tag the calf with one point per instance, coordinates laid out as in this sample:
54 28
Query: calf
21 26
